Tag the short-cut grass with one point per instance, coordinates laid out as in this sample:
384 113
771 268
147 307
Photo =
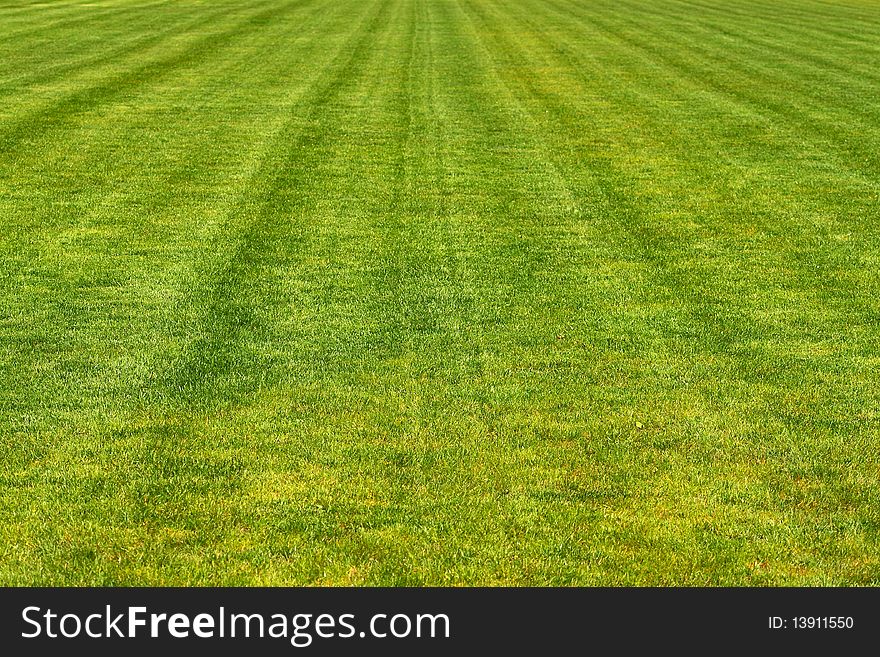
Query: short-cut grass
440 292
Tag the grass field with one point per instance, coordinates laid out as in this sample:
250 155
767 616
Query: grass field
412 292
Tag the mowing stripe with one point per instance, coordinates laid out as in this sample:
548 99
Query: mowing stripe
109 52
45 119
411 292
82 15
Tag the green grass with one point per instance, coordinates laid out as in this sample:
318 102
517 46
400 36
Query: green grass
421 292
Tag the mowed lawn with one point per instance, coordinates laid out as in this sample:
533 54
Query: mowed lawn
440 292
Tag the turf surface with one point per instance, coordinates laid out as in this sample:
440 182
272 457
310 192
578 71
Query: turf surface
416 292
